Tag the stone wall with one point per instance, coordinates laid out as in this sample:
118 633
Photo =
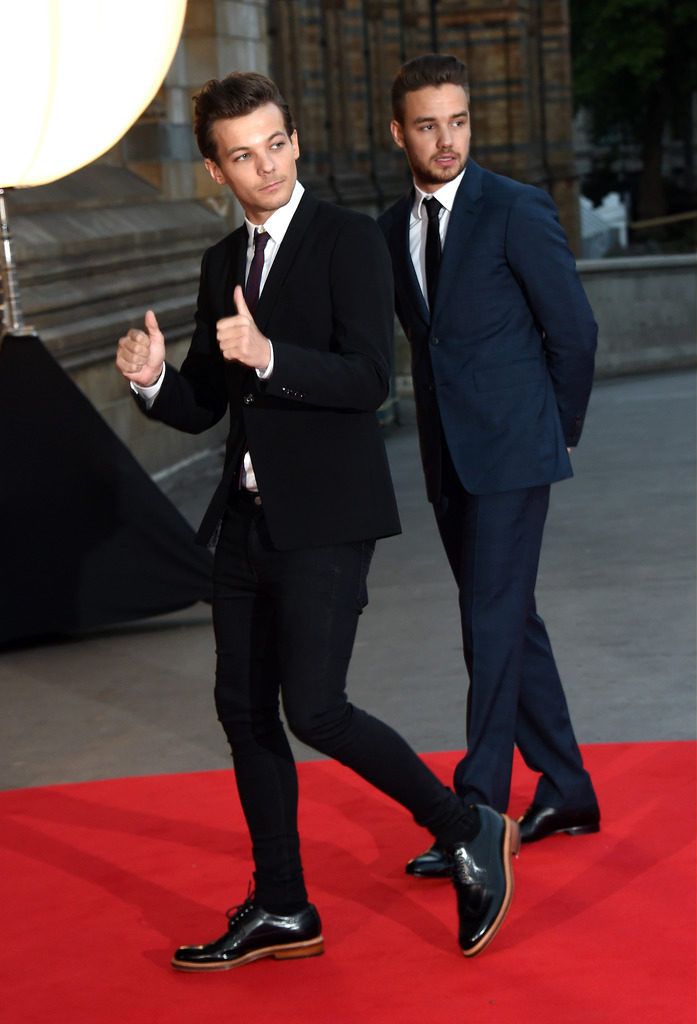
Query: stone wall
646 308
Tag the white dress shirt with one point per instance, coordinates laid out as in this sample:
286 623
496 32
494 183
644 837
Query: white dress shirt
276 226
418 225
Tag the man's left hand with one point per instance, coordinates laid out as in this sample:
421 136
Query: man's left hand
240 339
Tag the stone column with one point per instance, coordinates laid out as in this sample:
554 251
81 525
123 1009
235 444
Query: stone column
298 65
556 107
385 50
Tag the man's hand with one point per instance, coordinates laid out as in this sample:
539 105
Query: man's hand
240 339
140 355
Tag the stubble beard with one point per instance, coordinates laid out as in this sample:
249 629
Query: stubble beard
429 175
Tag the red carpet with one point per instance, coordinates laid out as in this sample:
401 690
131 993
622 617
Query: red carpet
101 881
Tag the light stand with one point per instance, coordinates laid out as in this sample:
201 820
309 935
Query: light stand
12 317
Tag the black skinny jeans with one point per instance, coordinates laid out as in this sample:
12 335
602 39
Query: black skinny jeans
285 623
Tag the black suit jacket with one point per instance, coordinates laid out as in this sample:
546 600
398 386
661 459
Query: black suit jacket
503 364
311 428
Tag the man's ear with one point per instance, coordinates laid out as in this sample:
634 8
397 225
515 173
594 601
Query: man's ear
397 133
295 144
214 171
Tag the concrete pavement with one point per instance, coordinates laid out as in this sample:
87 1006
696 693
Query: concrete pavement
617 590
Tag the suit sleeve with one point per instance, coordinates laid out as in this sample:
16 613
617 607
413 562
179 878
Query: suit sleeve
538 254
354 371
194 398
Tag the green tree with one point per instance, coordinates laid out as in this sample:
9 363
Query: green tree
635 69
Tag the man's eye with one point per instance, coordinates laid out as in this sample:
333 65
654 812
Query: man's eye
277 145
241 157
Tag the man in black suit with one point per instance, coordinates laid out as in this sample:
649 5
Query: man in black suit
292 336
503 341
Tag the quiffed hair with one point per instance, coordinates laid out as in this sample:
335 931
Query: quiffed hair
430 69
235 95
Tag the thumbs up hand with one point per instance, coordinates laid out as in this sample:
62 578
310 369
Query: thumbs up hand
140 355
240 339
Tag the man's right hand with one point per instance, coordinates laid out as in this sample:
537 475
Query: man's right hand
140 355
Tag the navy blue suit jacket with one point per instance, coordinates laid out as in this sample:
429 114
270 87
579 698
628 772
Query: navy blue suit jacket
505 360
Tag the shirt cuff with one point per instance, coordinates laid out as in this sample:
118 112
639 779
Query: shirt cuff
150 393
265 374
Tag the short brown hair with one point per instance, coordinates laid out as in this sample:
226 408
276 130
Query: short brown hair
430 69
236 95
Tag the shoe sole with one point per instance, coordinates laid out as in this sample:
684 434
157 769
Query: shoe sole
575 830
290 951
510 849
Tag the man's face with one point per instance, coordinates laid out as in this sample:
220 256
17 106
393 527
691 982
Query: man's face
435 134
256 160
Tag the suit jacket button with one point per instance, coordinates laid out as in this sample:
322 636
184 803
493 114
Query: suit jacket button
248 399
434 341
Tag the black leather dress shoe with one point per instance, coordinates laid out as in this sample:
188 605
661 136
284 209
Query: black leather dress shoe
433 863
483 879
539 822
252 934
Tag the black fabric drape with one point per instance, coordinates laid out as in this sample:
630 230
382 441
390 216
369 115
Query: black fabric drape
86 538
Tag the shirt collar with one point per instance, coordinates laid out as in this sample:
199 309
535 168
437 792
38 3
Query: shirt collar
277 224
445 196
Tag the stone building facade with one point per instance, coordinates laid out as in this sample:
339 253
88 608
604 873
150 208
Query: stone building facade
100 246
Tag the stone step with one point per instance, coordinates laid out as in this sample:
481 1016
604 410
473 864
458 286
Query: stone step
41 269
57 235
93 338
58 301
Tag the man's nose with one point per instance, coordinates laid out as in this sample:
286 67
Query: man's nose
445 137
265 164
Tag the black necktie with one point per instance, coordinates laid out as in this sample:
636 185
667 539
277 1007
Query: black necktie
251 289
433 249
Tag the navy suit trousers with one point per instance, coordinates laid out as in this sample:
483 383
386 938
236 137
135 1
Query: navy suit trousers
515 697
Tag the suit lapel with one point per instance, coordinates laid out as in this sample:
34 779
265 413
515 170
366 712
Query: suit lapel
466 210
284 258
403 267
234 268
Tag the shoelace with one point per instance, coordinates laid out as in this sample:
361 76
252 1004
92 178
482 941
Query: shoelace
235 914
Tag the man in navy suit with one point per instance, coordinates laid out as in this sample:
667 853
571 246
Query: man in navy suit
502 341
294 322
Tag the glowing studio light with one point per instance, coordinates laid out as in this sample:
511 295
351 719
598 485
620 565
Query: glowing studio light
74 76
